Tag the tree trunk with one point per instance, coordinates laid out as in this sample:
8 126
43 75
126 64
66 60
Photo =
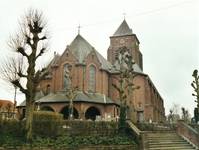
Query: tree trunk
71 110
122 119
29 120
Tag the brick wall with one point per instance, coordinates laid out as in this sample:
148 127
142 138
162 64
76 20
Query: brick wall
188 132
129 41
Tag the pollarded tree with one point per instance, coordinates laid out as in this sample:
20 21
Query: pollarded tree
29 44
195 85
124 84
71 91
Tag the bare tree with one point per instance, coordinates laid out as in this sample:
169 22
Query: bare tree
29 44
170 116
124 84
174 113
185 115
71 91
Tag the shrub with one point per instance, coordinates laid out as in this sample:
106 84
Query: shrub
11 132
89 128
14 127
46 123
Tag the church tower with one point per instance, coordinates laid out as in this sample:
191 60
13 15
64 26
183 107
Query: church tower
124 37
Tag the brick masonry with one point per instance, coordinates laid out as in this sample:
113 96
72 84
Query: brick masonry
144 104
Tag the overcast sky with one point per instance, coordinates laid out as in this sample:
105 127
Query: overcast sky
168 31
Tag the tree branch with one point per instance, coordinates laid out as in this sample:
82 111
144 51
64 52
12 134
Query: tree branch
116 87
21 50
41 52
18 84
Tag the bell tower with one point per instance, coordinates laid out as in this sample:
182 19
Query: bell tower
124 37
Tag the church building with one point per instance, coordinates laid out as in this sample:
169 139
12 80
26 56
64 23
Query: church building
94 76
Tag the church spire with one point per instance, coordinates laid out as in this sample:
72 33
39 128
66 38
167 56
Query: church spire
123 29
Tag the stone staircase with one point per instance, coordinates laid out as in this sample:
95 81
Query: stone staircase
166 140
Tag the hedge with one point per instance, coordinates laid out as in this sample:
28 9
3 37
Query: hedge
46 123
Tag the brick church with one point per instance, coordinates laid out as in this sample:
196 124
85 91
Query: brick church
94 76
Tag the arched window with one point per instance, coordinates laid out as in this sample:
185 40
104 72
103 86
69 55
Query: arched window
66 76
92 79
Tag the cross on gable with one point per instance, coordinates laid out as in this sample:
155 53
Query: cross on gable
79 29
124 15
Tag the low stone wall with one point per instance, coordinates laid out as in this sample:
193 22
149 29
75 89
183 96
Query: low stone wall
188 132
98 147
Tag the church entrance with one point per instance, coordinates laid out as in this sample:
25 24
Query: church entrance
92 113
65 112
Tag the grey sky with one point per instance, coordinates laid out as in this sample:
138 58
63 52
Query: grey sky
168 31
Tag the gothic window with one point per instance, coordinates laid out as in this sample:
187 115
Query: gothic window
92 79
66 77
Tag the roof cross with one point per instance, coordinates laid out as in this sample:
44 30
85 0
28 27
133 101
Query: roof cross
124 15
79 28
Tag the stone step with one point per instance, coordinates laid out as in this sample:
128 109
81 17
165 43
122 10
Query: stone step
156 136
166 131
159 134
172 145
171 148
164 138
167 141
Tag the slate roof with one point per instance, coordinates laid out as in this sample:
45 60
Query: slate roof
80 48
81 97
55 60
106 65
53 63
123 29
